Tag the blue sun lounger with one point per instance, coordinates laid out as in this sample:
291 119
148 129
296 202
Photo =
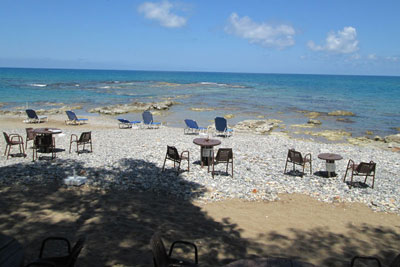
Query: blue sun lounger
221 127
73 119
33 117
192 127
125 124
148 120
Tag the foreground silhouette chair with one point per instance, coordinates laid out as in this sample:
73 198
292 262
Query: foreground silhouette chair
221 127
33 117
172 154
13 140
224 155
73 119
296 158
192 127
394 263
148 120
362 169
44 144
84 139
162 259
68 260
125 124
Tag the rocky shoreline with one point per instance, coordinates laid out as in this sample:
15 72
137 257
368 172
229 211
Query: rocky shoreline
132 159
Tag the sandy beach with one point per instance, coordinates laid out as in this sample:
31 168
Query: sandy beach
259 212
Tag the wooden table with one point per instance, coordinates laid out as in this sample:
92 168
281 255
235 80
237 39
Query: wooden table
330 162
206 147
11 252
269 262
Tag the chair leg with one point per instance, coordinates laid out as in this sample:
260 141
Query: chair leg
212 173
373 180
164 163
5 151
179 167
345 174
70 144
227 165
9 149
188 158
232 168
285 167
23 149
351 180
310 167
91 147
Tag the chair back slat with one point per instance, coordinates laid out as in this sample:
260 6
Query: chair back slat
30 134
191 124
366 168
71 115
147 117
160 256
31 114
221 124
8 141
85 137
295 156
224 155
172 153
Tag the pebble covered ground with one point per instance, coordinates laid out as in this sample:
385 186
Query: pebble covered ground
132 159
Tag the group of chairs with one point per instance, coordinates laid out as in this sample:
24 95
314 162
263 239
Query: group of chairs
221 127
161 257
366 169
224 155
72 118
147 122
44 143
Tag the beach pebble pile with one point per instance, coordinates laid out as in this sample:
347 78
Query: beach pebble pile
132 159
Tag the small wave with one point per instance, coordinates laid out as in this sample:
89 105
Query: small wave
223 84
38 84
105 87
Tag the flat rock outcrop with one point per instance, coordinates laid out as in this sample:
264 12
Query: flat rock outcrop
257 126
341 113
395 138
132 107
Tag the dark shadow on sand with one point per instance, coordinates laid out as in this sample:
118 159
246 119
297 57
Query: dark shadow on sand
119 222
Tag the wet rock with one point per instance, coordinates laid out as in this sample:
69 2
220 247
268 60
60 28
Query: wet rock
202 109
313 114
341 113
378 138
333 135
369 132
362 140
395 138
346 120
229 116
132 107
314 122
257 126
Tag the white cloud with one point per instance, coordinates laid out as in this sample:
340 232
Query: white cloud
342 42
280 36
372 57
161 12
393 58
355 56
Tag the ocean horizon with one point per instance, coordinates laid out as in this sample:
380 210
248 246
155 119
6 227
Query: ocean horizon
375 100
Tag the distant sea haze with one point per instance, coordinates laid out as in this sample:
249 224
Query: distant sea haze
374 99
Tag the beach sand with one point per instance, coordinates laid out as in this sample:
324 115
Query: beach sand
119 223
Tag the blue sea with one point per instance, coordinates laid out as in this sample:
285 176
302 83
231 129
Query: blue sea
374 99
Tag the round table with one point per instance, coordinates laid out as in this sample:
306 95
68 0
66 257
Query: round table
11 252
330 162
206 147
48 132
269 262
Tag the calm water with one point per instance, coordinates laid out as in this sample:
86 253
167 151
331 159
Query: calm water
374 99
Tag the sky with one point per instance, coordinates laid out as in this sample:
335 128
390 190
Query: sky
359 37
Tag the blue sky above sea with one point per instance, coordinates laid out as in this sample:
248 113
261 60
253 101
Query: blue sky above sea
310 37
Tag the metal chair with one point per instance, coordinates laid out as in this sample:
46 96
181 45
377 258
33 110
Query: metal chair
162 259
84 139
30 136
13 140
296 158
362 169
224 155
172 154
68 260
394 263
